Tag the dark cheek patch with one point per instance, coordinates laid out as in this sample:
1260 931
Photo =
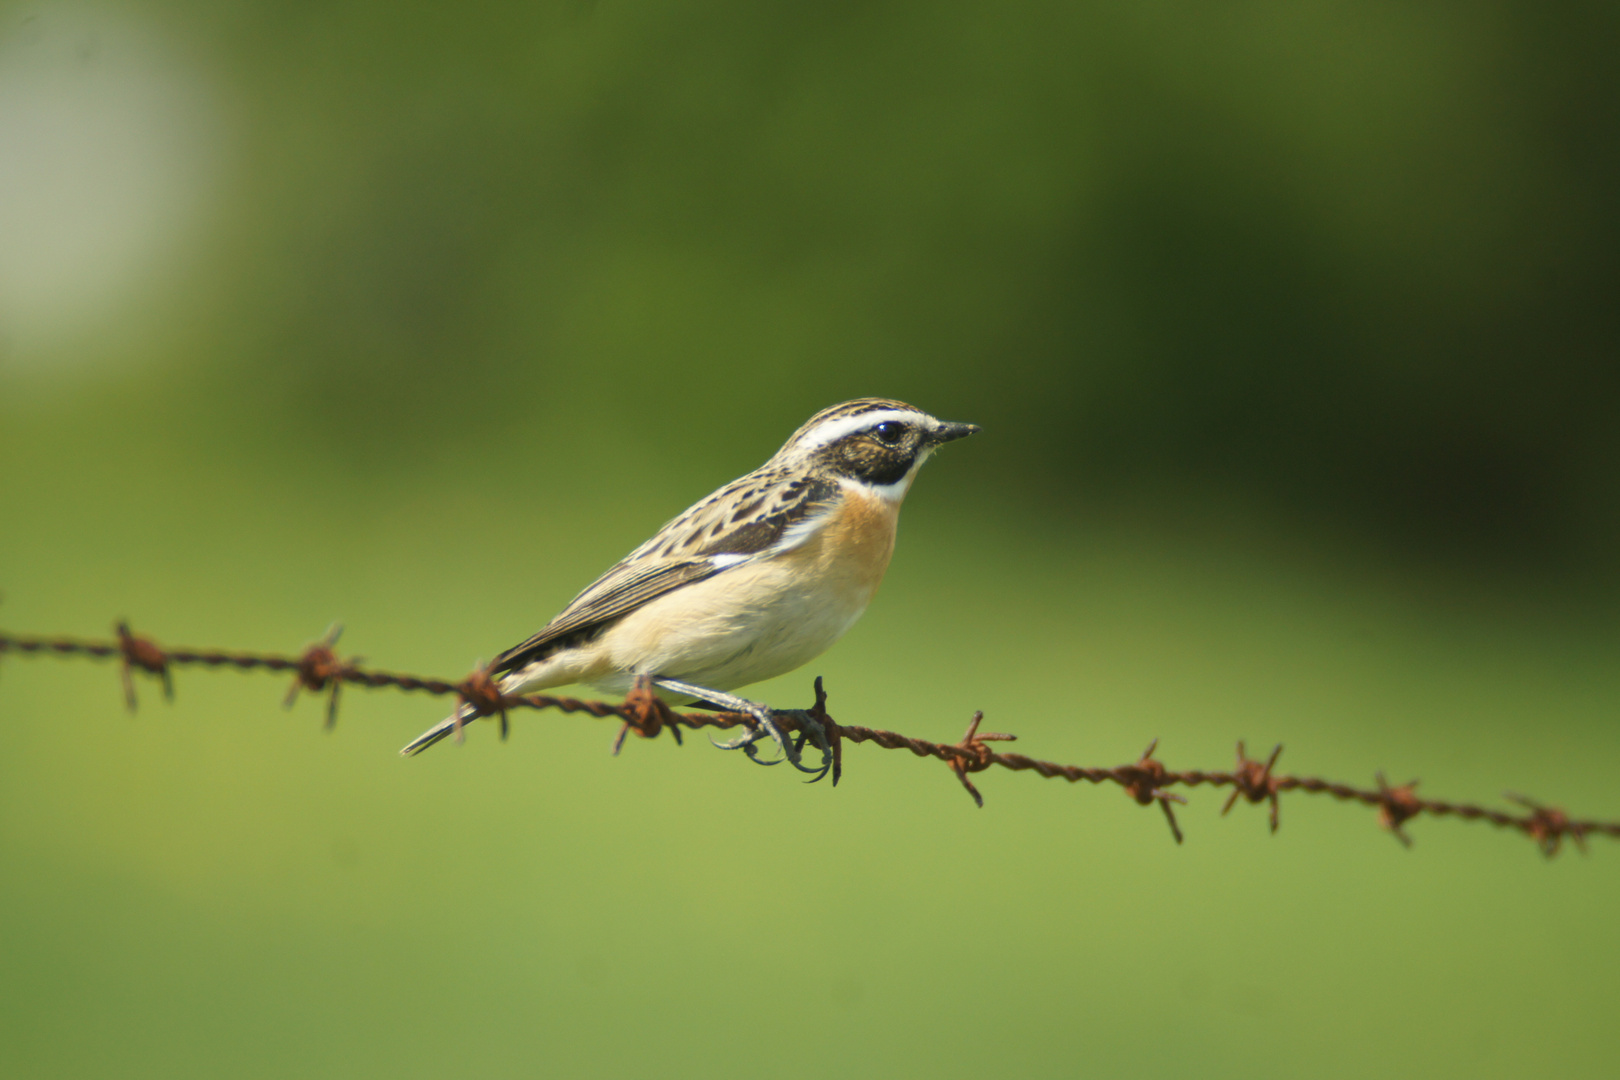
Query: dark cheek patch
875 464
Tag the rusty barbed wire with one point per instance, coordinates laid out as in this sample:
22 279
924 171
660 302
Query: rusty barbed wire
318 669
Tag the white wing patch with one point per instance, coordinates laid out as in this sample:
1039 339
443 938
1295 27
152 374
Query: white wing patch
798 535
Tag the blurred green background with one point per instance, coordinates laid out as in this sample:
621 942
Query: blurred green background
1292 329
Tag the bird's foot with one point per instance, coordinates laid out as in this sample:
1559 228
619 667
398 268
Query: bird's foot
764 726
809 729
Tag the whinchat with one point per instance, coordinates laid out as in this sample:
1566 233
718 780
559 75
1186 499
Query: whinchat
752 582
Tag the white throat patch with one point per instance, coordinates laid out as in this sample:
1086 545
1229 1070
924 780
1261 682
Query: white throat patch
895 492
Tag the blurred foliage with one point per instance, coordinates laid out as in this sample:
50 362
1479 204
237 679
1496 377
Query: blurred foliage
1290 326
1353 264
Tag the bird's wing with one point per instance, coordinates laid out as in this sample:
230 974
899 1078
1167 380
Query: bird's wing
760 515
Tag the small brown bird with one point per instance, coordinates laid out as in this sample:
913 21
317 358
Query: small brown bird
752 582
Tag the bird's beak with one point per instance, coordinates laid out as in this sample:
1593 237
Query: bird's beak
947 431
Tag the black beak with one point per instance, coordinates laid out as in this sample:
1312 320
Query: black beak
948 431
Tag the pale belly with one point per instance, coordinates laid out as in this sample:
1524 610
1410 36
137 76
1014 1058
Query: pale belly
726 634
760 620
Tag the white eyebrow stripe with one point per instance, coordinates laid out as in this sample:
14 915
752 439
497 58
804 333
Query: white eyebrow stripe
831 431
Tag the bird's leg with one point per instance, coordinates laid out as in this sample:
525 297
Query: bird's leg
721 700
767 725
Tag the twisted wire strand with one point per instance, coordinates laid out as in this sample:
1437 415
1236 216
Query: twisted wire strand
318 669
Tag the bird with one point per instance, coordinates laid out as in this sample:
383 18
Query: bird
751 582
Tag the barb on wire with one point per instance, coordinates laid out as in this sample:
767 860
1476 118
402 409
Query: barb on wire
143 654
973 756
319 669
1253 781
1148 781
1398 806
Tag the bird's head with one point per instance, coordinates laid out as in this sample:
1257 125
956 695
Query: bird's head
876 442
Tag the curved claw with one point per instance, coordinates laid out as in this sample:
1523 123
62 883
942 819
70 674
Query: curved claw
746 739
767 726
764 725
809 728
746 744
793 760
753 755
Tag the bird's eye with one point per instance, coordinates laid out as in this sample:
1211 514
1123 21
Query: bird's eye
890 432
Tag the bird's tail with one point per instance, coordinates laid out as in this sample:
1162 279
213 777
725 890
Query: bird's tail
538 675
463 715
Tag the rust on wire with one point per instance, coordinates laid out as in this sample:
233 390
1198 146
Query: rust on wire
973 756
646 714
143 653
1147 780
319 670
1397 806
1548 825
479 693
1253 781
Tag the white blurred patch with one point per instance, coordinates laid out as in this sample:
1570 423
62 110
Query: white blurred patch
107 151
